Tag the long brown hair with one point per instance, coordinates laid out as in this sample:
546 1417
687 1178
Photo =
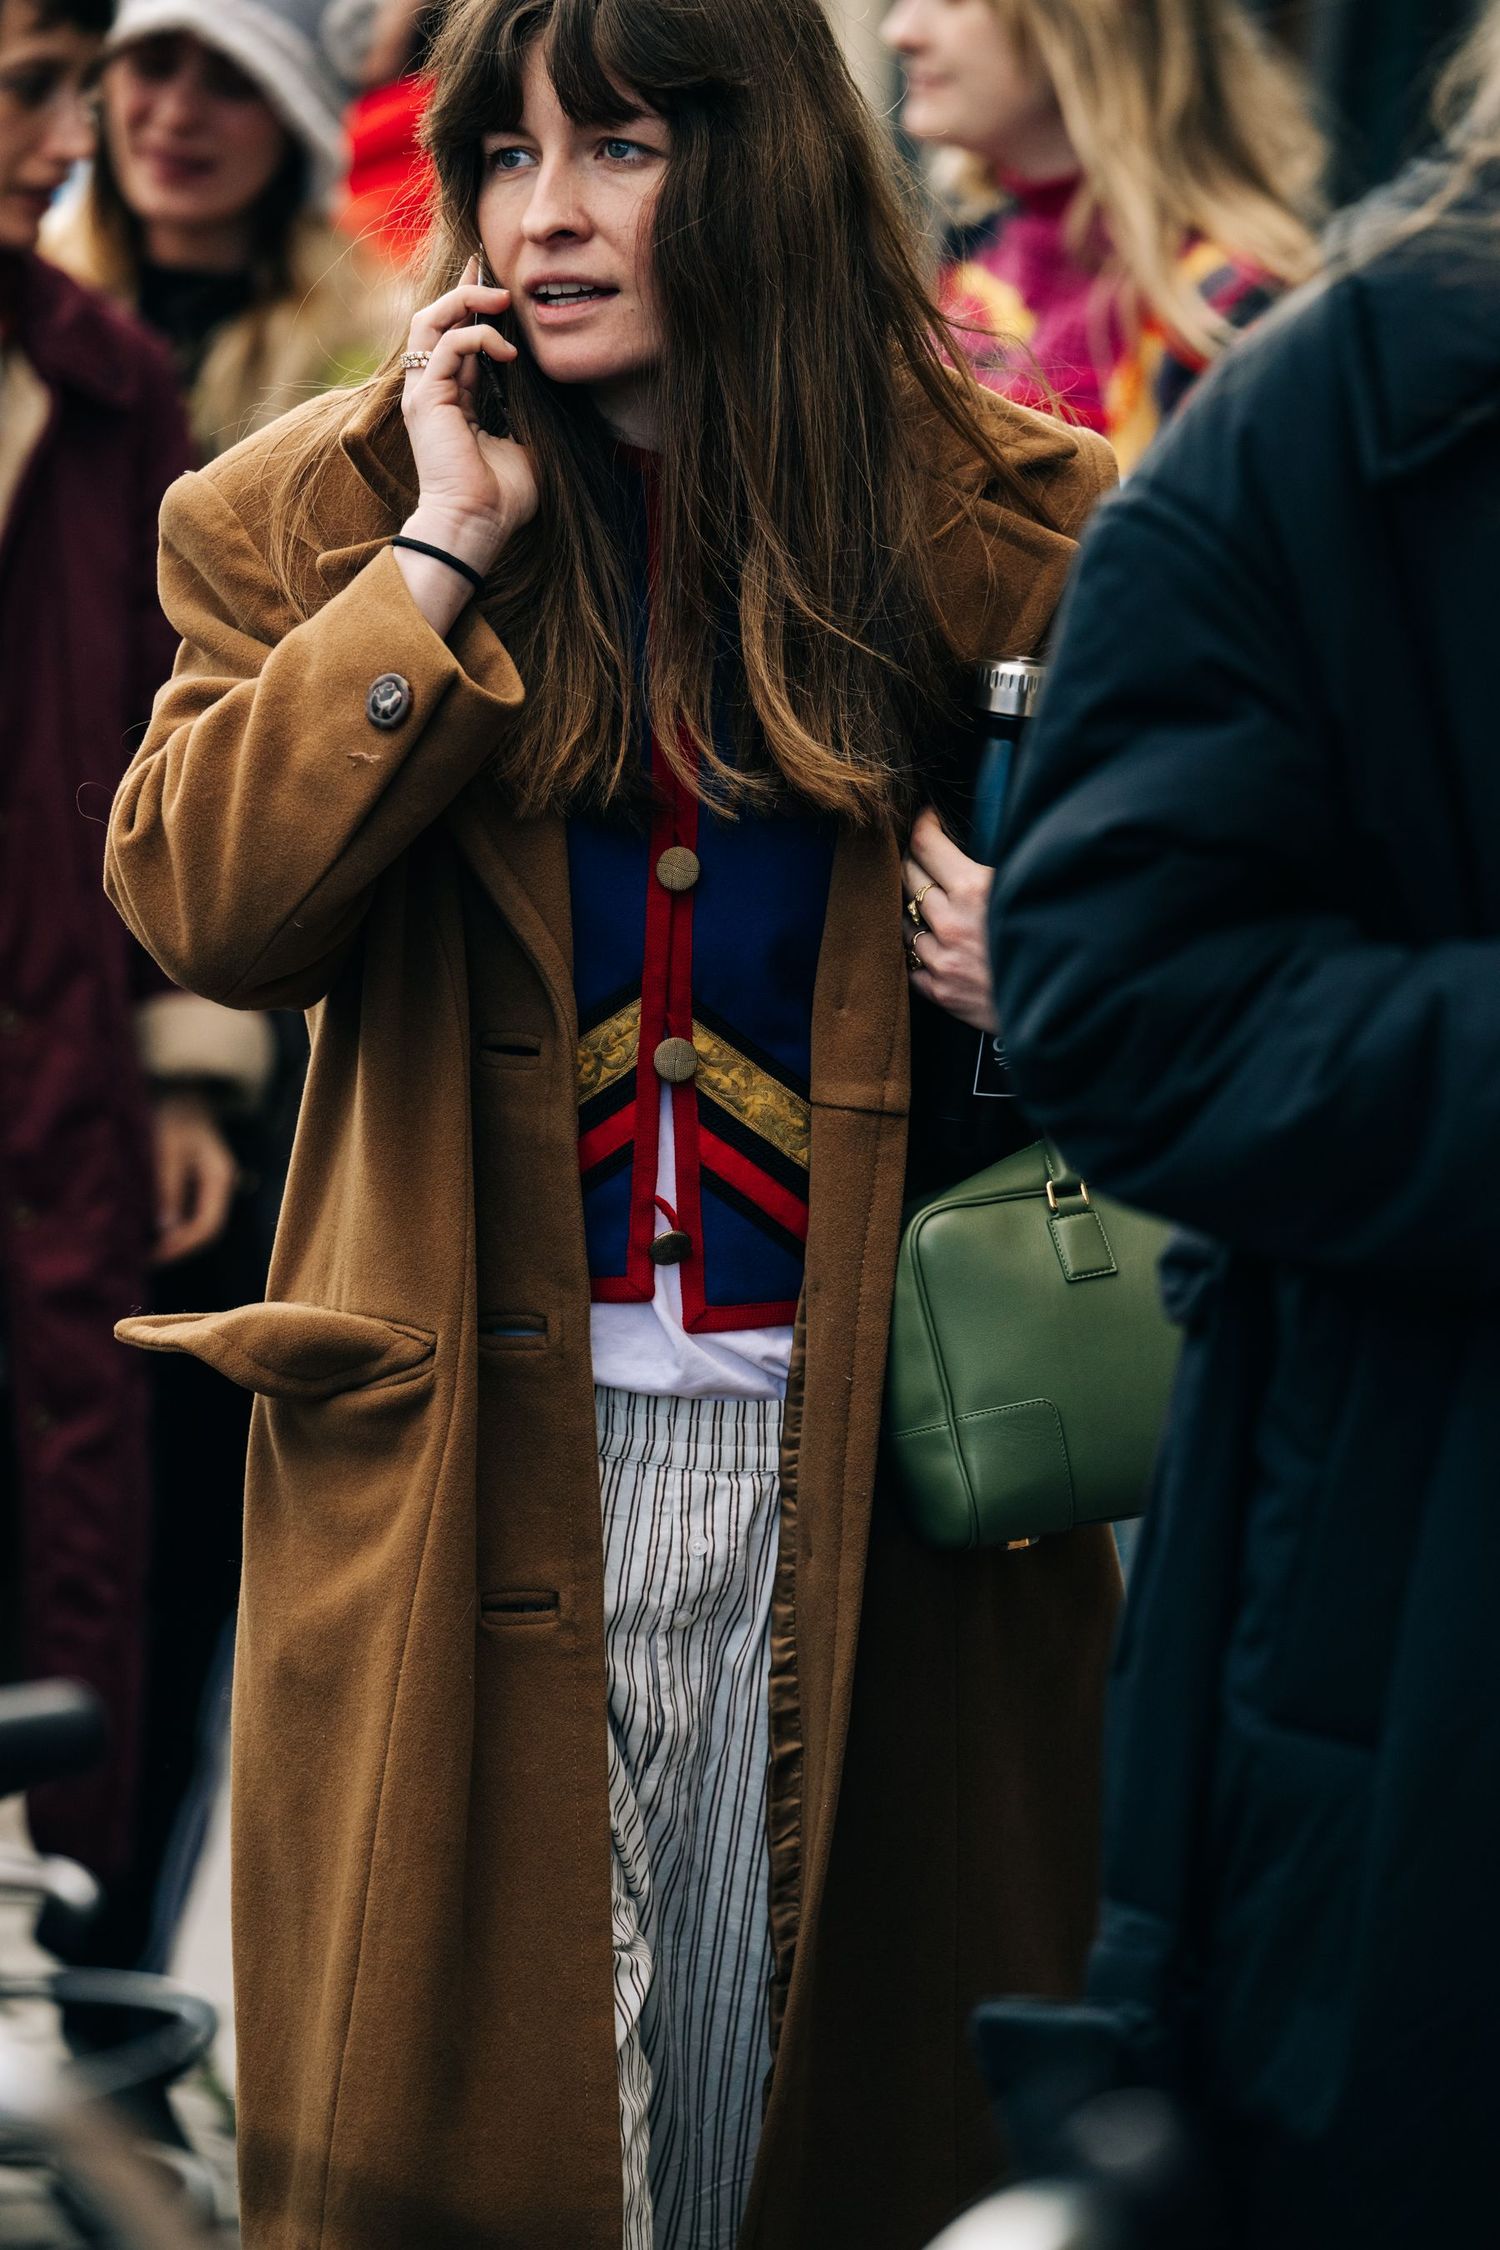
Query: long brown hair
1186 121
801 351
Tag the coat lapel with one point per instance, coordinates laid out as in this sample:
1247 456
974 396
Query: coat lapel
860 1085
860 1094
522 867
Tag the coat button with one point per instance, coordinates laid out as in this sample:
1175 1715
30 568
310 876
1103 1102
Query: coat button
678 869
388 701
675 1061
671 1248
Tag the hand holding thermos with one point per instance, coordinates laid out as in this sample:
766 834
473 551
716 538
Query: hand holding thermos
948 889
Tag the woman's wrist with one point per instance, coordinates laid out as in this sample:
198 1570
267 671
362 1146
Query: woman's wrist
441 592
475 540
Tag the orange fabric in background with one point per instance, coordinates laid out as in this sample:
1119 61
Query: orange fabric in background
390 175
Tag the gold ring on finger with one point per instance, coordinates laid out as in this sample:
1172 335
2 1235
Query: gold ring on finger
411 361
913 956
914 913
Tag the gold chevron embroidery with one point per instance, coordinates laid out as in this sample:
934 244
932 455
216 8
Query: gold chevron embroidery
608 1052
759 1101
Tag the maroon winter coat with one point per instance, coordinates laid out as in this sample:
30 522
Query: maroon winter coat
83 647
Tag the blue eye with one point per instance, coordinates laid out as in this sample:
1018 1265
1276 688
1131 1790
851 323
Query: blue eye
508 159
620 151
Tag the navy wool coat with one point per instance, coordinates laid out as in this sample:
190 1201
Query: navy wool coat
1248 943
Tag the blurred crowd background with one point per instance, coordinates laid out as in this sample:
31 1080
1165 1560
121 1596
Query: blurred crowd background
255 201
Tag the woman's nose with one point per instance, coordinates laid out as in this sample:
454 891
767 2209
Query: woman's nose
899 27
179 99
70 135
556 206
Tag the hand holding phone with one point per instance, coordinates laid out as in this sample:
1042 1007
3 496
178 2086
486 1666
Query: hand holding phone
475 486
493 413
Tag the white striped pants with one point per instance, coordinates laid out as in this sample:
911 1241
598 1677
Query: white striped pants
689 1490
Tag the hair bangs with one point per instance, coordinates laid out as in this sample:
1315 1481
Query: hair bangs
596 79
485 92
582 45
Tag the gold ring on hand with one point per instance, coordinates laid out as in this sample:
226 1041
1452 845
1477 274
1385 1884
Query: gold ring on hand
914 958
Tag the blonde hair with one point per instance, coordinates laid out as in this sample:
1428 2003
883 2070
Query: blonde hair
1185 121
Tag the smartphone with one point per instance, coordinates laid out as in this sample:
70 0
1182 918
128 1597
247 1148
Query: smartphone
493 415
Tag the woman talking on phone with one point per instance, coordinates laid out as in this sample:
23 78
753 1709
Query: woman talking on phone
628 1808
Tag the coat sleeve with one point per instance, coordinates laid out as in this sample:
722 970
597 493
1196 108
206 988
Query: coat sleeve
1190 1002
265 803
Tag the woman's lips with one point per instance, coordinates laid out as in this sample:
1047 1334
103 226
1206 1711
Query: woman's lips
177 171
35 202
563 312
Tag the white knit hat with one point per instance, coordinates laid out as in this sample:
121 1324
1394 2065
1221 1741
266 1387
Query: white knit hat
348 33
275 43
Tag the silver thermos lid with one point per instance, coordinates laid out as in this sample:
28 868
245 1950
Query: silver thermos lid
1007 687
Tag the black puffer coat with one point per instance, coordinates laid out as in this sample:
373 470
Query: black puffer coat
1248 944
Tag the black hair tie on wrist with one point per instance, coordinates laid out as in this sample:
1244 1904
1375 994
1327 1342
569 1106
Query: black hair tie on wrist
441 554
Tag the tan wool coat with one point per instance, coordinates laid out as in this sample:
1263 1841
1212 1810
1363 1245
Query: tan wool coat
422 1920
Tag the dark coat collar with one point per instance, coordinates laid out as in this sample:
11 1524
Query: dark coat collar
77 340
1424 310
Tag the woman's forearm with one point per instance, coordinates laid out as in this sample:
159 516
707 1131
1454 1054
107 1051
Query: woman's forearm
279 780
441 593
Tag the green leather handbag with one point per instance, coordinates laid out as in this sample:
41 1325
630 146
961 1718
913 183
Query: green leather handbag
1030 1359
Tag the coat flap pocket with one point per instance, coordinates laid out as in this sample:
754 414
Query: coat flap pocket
288 1350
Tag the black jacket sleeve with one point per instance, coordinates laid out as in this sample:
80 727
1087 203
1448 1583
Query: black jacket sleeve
1190 1002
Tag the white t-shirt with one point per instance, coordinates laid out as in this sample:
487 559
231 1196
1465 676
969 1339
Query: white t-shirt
646 1348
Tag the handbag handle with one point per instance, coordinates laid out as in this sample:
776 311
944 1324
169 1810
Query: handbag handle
1078 1236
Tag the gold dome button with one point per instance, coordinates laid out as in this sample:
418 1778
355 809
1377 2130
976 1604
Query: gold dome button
678 869
675 1061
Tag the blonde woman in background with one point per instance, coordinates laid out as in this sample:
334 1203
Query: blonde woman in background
1130 182
204 212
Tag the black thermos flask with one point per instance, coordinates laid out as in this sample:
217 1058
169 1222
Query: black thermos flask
964 1114
1005 696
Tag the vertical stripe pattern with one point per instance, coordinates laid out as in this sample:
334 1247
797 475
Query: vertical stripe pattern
689 1489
